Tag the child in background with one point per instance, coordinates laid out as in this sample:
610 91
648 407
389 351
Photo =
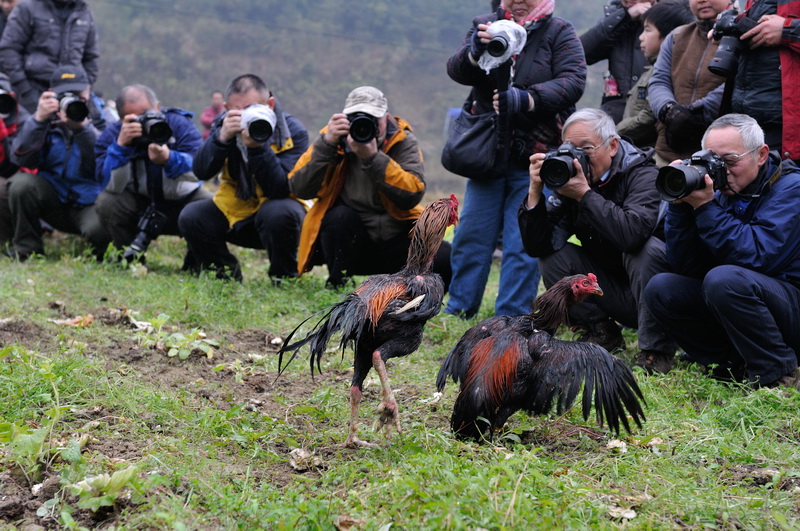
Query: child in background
638 121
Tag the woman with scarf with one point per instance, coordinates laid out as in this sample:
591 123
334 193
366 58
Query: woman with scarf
534 93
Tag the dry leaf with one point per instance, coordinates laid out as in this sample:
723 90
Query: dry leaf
615 511
618 446
345 523
81 321
302 460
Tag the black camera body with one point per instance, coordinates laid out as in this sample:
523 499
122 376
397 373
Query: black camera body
363 127
727 30
73 105
7 102
155 129
557 167
676 182
150 226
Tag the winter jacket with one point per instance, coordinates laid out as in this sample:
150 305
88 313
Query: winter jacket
616 37
36 41
767 85
127 167
246 183
638 121
760 233
63 156
207 118
681 75
9 128
551 68
616 216
384 190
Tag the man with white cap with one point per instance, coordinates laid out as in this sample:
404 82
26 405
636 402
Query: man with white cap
365 170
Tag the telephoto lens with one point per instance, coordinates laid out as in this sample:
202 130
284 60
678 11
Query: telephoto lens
259 120
73 106
558 168
363 127
680 180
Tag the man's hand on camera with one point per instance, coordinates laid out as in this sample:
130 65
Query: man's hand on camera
536 185
768 32
338 128
159 154
577 186
248 141
130 130
479 41
48 106
363 151
231 125
700 197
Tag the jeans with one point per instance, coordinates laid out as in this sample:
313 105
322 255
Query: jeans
490 209
732 317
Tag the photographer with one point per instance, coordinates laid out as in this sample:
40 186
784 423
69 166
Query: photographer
58 142
611 205
146 159
12 116
365 170
732 298
255 145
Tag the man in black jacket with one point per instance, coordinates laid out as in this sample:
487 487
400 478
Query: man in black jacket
612 206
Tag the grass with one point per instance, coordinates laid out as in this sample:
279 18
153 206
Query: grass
210 438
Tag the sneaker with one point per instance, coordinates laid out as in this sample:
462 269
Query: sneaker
604 333
654 361
789 380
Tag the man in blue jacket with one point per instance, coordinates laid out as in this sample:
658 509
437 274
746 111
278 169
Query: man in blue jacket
732 299
146 161
63 190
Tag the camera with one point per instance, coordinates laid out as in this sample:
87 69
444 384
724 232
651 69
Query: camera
73 105
363 127
155 129
7 102
150 226
259 120
505 34
727 30
557 167
676 182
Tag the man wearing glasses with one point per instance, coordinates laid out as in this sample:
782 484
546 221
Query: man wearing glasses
732 299
612 207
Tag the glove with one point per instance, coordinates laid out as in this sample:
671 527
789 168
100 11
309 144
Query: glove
683 128
476 47
513 101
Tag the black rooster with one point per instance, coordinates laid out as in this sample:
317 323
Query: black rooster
385 315
507 363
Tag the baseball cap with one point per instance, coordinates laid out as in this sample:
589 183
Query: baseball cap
69 79
366 99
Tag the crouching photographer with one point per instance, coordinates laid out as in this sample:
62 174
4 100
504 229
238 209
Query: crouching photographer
145 160
605 195
731 299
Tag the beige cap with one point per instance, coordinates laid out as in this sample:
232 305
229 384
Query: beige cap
366 99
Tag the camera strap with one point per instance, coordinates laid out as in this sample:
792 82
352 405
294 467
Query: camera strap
155 181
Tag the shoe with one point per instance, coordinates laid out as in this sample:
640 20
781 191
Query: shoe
654 361
604 333
791 380
339 283
14 255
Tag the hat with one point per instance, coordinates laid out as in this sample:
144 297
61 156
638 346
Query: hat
69 79
366 99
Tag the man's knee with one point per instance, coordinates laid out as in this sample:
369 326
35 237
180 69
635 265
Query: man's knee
724 281
23 185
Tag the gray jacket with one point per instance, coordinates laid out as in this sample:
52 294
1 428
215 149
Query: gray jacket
41 36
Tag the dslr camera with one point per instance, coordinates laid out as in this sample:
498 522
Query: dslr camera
727 30
676 182
260 121
7 102
150 226
363 127
73 105
155 129
505 34
557 167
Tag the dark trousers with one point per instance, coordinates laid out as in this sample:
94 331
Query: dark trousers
121 212
347 250
622 289
733 317
274 227
31 198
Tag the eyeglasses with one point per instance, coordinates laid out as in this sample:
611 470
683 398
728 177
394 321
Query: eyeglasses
590 151
732 159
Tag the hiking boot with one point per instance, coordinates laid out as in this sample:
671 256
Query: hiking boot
654 361
789 380
604 333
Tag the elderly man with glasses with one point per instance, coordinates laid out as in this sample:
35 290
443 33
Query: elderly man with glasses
732 299
611 205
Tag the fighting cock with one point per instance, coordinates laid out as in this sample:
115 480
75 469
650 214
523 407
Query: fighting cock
507 363
385 315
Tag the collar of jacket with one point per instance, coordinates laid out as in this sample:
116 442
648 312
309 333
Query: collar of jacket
628 156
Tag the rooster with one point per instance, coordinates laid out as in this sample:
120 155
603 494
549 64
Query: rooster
384 316
507 363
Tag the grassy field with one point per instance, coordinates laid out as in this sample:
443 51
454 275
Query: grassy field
183 425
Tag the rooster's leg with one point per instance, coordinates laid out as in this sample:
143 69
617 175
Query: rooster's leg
388 408
352 440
